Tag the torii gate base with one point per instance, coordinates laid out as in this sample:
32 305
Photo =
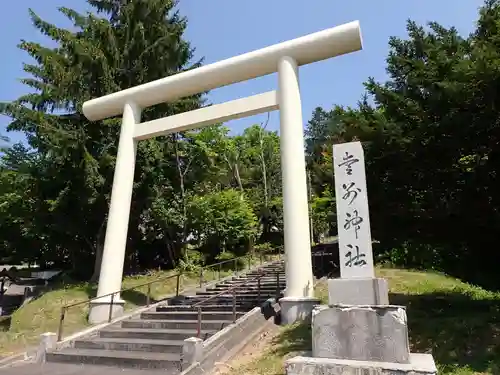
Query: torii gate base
284 58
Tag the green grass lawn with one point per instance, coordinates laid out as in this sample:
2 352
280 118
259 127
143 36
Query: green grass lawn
458 323
43 314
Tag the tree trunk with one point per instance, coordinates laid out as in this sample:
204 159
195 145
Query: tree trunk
235 171
238 178
97 263
182 175
264 170
99 250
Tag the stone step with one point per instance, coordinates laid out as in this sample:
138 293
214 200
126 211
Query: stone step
270 291
126 344
254 278
154 334
128 359
228 304
207 308
270 287
30 281
265 273
253 283
220 288
10 308
215 325
242 298
230 284
249 303
252 292
244 304
276 268
249 278
190 315
244 289
228 298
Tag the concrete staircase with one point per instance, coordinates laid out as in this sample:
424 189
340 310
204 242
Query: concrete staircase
17 292
155 338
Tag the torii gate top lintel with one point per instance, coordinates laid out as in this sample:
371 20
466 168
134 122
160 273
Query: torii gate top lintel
307 49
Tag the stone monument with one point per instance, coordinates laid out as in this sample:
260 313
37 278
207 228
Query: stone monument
359 332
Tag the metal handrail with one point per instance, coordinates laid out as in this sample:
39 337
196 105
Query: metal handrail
233 290
148 285
112 295
232 260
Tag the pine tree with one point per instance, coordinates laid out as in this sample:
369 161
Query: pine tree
123 44
433 148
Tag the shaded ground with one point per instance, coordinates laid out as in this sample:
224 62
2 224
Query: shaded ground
71 369
458 323
251 352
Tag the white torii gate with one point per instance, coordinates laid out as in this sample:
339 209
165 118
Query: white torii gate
283 58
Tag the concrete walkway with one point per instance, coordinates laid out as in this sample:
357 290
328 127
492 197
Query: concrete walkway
71 369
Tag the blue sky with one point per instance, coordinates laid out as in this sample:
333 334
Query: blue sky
220 29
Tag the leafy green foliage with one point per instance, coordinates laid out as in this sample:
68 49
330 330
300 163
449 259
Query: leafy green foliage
191 261
323 216
222 221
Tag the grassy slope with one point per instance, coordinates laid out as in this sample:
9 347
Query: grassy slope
43 314
456 322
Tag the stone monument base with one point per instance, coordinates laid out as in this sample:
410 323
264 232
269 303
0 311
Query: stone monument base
362 333
419 364
99 310
359 291
297 308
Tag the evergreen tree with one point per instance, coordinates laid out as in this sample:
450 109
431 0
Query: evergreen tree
126 43
432 148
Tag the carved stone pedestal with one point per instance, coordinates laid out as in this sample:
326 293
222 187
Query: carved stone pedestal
360 339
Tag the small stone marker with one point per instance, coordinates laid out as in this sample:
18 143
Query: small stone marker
353 219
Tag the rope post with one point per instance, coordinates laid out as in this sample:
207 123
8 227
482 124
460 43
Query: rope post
148 296
110 317
198 334
61 323
178 285
258 289
277 285
322 262
234 305
26 294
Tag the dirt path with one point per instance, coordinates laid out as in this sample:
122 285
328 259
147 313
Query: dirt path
252 351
